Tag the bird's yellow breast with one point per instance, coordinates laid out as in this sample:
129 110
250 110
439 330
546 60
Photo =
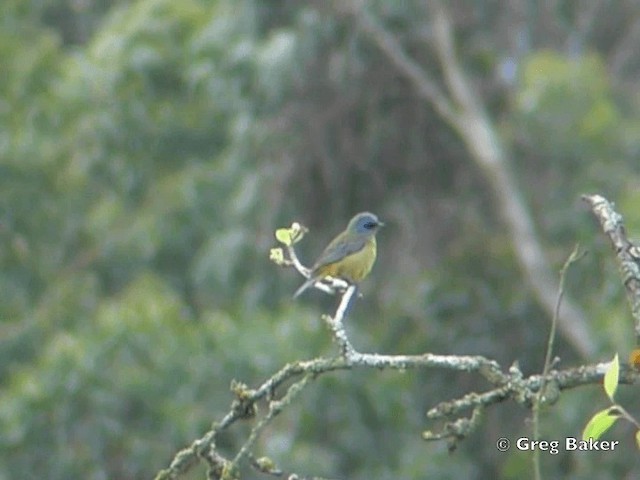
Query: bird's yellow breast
354 267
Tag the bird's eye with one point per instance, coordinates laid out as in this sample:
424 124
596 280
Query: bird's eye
370 225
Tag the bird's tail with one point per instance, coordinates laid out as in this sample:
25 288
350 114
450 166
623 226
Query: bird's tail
304 286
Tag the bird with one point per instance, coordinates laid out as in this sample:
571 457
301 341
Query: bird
351 255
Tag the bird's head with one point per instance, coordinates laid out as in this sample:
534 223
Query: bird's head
364 223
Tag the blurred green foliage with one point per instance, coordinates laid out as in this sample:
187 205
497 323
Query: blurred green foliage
151 148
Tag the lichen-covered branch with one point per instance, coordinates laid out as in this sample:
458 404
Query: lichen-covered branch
502 385
508 385
521 390
275 407
627 253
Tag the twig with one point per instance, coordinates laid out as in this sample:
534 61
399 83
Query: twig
328 285
275 407
266 465
337 325
540 397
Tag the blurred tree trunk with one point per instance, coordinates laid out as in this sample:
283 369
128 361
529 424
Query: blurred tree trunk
463 111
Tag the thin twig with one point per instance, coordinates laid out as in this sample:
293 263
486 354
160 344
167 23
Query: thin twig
275 407
535 418
328 284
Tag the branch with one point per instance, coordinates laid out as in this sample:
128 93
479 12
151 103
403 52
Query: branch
465 114
509 385
336 323
426 86
275 408
531 392
524 390
627 253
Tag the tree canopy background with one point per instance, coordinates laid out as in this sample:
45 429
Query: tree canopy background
150 148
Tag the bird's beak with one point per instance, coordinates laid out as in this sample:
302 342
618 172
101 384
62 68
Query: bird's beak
381 224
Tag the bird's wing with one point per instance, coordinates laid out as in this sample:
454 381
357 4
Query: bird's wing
339 249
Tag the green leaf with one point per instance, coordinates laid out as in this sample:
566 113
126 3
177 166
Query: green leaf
638 439
600 423
611 377
292 235
283 235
